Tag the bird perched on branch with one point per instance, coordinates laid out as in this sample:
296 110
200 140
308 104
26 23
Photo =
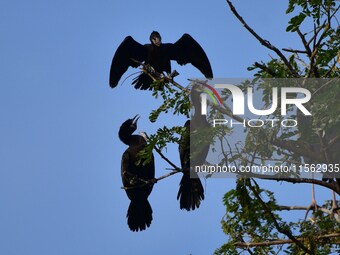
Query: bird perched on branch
324 152
158 55
136 176
191 192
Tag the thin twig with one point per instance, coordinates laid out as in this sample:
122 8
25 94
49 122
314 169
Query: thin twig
295 51
304 42
323 86
265 68
162 155
316 32
331 69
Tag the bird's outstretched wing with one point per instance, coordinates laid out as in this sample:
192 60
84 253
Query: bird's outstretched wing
187 50
121 61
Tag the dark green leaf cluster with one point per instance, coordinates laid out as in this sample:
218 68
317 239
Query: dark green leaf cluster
160 140
275 68
326 109
246 220
173 99
315 9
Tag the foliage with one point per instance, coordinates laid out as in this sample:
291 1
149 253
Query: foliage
175 100
254 221
318 59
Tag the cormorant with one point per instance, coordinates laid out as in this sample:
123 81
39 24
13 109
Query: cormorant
191 191
158 55
329 156
134 174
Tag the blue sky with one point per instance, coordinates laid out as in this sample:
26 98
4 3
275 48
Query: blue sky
60 155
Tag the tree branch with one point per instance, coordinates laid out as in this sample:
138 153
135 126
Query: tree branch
304 42
297 147
285 241
155 76
166 159
316 32
295 51
305 208
328 185
150 182
285 231
265 43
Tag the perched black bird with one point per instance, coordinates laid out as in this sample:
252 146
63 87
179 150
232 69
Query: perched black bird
158 55
191 191
329 156
140 212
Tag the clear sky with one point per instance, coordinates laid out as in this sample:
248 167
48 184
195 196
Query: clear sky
60 186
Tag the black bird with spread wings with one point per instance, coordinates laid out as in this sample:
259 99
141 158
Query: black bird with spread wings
158 55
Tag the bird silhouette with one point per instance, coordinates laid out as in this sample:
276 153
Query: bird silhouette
134 174
158 55
191 192
325 152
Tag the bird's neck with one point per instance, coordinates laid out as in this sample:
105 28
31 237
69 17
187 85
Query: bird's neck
197 108
125 136
131 140
155 48
199 120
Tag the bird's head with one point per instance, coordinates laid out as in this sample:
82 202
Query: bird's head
128 127
155 38
132 123
195 95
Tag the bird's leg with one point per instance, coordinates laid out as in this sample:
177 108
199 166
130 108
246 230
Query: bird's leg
173 74
150 69
153 181
335 209
334 203
313 205
133 179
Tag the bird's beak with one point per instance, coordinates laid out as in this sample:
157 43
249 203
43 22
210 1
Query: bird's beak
157 41
135 119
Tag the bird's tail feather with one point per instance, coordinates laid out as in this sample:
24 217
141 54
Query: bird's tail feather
190 193
139 215
142 82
